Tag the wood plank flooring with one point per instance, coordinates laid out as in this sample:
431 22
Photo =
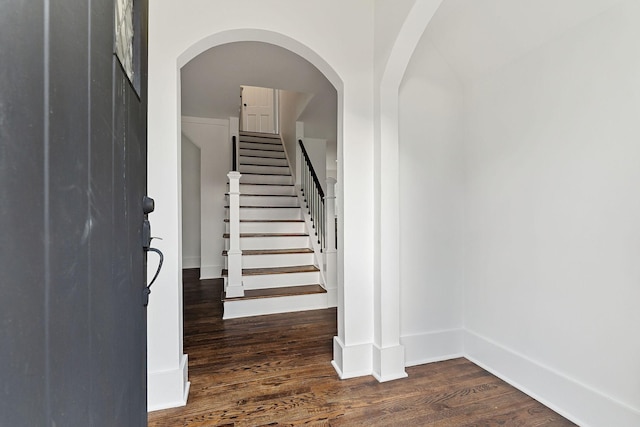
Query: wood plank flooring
275 371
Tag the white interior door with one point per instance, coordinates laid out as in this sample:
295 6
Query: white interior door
258 109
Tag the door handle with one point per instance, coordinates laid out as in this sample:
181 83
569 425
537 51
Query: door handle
148 206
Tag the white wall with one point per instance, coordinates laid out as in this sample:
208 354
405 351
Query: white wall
211 136
431 207
190 204
343 51
288 115
552 279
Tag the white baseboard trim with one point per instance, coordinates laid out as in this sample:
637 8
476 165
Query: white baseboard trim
434 346
261 307
575 401
211 272
168 389
351 361
388 363
191 262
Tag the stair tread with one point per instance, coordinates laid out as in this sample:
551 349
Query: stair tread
265 183
275 270
259 134
265 173
272 148
267 195
226 235
268 207
263 165
288 291
270 141
268 220
274 251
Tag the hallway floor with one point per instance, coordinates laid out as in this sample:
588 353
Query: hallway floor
275 370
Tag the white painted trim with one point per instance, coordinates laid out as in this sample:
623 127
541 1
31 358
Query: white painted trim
263 306
211 272
433 346
388 363
351 361
191 262
168 389
554 389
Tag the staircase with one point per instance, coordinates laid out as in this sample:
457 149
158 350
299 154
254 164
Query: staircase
279 267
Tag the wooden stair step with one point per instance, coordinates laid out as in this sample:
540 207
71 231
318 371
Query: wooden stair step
260 164
275 270
264 183
260 134
269 220
268 195
272 148
288 291
263 173
226 235
268 207
274 251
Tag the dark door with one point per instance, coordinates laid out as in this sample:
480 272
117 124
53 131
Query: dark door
72 181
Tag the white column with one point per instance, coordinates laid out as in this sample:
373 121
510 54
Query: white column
234 286
330 252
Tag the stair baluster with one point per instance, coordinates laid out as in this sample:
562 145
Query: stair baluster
314 197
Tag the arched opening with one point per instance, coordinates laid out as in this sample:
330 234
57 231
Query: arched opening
210 87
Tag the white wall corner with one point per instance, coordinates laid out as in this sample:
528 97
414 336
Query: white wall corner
190 262
388 363
168 389
431 347
562 394
211 271
351 361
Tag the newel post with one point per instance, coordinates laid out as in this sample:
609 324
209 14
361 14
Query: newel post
234 254
330 252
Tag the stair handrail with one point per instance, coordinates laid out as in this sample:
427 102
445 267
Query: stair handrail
313 196
234 159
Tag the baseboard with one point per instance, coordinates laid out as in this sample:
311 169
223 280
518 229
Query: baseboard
168 389
575 401
263 306
388 363
351 361
211 272
191 262
431 347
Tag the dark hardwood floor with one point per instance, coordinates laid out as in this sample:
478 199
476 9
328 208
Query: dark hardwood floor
275 371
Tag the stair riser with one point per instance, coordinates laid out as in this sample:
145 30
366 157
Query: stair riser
280 280
247 138
265 147
258 307
262 153
267 189
273 170
262 161
270 227
265 213
266 179
273 261
272 242
269 201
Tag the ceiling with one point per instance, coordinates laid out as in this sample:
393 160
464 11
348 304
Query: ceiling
211 83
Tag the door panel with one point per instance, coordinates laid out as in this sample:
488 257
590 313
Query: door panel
72 179
258 109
